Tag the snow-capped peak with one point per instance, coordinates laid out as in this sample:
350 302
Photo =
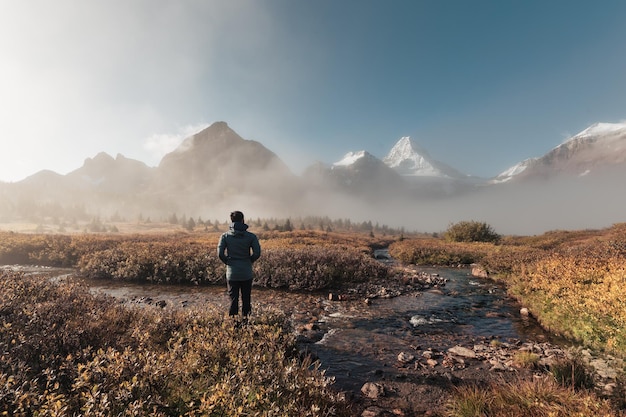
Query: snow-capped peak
599 144
607 133
513 171
351 157
601 129
409 159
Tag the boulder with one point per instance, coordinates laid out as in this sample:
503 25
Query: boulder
479 271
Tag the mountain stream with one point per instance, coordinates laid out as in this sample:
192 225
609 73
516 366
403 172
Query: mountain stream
357 340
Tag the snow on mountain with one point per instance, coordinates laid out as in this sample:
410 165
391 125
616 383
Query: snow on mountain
407 158
513 171
598 129
351 158
598 146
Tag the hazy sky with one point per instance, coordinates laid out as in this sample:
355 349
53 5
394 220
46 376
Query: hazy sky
480 84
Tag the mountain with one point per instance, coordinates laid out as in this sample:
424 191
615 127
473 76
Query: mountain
357 173
599 149
106 174
362 171
210 171
577 184
219 156
216 165
409 159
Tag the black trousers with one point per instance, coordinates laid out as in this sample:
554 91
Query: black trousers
234 287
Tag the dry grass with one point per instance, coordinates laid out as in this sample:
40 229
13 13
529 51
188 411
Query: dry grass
66 352
537 398
573 282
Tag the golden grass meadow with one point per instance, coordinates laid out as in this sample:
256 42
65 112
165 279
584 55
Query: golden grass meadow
66 351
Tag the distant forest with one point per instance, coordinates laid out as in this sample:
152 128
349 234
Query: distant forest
99 224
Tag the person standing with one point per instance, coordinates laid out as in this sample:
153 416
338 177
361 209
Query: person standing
239 249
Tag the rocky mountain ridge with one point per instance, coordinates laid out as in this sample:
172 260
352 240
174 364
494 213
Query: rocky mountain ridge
600 147
215 170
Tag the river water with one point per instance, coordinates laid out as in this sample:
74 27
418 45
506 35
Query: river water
354 339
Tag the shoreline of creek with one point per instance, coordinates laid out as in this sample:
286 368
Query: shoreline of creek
399 348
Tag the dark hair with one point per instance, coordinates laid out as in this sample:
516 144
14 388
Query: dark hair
236 216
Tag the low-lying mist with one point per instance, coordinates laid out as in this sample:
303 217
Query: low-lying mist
528 208
511 209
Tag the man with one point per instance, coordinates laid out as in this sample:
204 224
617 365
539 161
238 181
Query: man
238 249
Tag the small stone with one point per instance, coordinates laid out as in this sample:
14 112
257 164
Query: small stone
524 311
609 388
373 390
603 369
310 327
404 357
462 351
432 362
373 412
479 271
497 366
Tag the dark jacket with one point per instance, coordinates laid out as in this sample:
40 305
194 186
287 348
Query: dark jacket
238 249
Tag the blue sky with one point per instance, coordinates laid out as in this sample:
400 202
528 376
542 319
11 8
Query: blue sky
481 85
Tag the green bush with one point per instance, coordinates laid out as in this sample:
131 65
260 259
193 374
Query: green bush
471 231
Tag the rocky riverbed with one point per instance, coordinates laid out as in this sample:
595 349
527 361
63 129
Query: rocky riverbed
401 348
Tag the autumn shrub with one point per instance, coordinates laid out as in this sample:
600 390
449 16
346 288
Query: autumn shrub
65 351
438 252
469 401
297 238
526 359
471 231
539 397
503 260
579 291
53 249
316 267
168 261
572 372
297 261
49 250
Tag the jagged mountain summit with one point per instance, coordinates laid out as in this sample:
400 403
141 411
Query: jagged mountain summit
218 156
359 173
409 159
597 149
216 165
119 174
215 170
